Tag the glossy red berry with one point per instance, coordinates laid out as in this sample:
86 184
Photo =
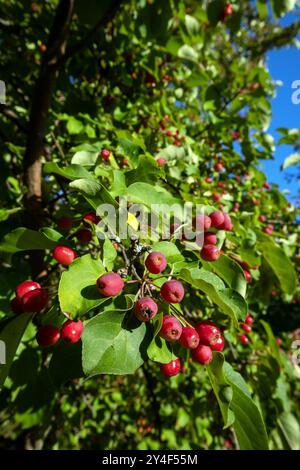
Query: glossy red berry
47 335
218 167
210 238
161 161
202 354
110 284
171 368
278 341
90 217
172 291
65 223
217 218
16 305
189 338
218 344
245 327
243 339
262 218
201 222
156 262
71 331
84 236
171 328
247 275
64 254
268 229
249 320
210 253
25 287
105 154
35 300
226 224
227 10
209 335
145 309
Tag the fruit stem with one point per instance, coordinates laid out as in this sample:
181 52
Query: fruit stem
179 316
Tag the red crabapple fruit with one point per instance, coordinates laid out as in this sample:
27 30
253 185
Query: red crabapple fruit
171 328
172 291
110 284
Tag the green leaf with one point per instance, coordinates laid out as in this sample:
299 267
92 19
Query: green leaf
262 7
70 356
192 25
272 342
230 271
74 126
170 251
147 171
188 53
159 350
11 333
290 429
293 159
129 147
109 254
147 194
85 158
95 193
51 234
71 172
6 213
22 239
219 383
236 404
281 7
279 263
230 301
77 290
112 344
212 98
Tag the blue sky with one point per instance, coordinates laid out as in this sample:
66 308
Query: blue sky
284 65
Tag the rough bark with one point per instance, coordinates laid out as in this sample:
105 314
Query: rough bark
39 112
38 121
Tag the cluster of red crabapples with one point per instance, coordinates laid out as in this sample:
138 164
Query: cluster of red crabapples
208 226
202 340
30 297
247 328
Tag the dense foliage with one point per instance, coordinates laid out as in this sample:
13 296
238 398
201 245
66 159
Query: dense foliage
145 103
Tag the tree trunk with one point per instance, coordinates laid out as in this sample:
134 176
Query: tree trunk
38 121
